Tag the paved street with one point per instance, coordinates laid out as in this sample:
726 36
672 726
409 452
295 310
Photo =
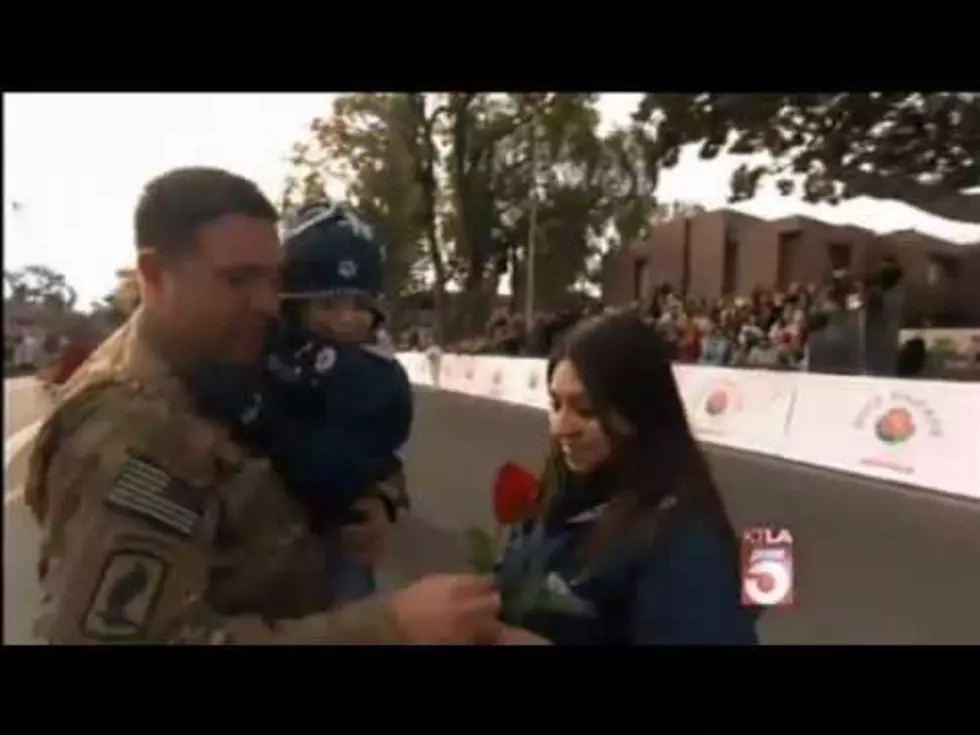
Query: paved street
875 563
24 404
23 401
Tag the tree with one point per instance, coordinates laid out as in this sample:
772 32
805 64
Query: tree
916 147
507 149
38 285
668 211
450 177
15 287
376 145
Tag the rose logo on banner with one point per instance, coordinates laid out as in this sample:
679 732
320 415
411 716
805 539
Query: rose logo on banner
715 405
767 567
496 382
895 426
902 425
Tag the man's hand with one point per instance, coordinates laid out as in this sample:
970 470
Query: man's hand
511 636
449 609
368 540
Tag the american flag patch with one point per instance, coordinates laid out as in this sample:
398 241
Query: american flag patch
143 489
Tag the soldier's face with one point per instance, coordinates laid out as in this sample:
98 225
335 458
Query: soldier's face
221 298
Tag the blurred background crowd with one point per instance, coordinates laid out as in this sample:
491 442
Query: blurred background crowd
844 325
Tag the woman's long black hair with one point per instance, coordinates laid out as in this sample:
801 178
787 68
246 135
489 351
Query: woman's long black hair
625 366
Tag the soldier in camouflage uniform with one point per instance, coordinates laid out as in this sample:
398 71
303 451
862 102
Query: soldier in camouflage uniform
332 407
156 526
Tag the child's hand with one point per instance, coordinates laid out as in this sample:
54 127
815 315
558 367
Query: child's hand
369 540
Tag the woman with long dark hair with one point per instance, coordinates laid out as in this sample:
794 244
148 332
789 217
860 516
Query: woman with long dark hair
631 536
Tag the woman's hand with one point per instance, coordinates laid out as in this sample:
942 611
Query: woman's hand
369 539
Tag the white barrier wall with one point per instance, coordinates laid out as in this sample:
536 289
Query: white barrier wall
923 433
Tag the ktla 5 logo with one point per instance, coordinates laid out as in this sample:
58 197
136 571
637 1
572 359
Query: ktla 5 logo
767 567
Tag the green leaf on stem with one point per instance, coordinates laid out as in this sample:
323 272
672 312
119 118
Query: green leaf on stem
481 552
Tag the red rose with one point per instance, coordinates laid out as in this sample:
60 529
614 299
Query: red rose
515 494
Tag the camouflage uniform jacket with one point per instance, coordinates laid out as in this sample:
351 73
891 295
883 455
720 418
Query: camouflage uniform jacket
157 528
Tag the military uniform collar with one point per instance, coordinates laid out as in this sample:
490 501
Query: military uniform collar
143 359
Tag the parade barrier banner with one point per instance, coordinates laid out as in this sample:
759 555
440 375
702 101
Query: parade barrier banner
924 433
921 433
746 410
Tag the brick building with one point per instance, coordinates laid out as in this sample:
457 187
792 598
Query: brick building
943 278
725 253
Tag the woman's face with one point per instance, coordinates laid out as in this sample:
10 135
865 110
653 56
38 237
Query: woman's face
574 423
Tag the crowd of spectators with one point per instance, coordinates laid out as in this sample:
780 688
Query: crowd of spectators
843 325
36 349
25 349
765 329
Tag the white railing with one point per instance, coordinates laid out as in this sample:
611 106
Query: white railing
922 433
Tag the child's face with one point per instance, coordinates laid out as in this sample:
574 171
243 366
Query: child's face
344 318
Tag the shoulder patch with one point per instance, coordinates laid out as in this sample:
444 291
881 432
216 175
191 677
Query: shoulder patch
125 597
143 489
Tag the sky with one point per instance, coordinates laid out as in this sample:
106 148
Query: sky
76 164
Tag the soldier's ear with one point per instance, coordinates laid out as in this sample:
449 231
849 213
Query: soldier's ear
149 267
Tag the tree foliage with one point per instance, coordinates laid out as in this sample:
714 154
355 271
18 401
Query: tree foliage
368 143
591 191
919 148
667 211
113 309
450 179
39 286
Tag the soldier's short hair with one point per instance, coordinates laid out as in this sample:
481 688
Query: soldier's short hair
176 205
